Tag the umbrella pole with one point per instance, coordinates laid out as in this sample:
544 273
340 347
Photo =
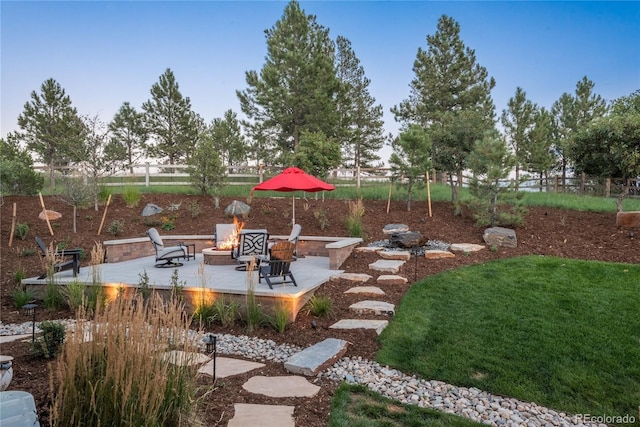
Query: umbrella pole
293 220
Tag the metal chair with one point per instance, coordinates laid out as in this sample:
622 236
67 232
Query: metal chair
252 245
166 257
277 269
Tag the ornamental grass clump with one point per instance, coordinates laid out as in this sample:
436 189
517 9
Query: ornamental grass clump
117 370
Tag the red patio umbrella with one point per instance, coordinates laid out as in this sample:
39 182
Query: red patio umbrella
294 179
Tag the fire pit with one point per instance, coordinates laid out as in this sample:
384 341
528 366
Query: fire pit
215 256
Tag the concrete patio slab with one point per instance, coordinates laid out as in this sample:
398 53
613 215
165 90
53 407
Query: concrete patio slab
247 415
228 367
284 386
377 325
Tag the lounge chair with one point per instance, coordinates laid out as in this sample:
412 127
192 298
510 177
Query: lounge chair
251 246
277 269
63 262
166 257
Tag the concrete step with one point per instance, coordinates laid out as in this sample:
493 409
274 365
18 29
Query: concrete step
377 325
373 307
314 359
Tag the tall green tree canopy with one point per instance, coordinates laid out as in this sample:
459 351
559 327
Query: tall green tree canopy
296 88
317 154
169 120
538 155
128 142
51 126
518 121
226 134
571 115
17 175
450 92
411 156
361 128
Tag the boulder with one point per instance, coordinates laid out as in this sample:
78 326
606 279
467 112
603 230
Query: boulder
51 215
395 228
151 210
237 208
501 237
407 239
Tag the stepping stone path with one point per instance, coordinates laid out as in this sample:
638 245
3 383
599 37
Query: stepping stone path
365 290
373 307
437 254
397 255
313 359
227 367
289 386
367 249
386 265
391 279
466 247
352 277
376 325
262 415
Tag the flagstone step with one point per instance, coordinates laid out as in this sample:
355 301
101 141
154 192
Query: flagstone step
283 386
391 279
377 325
184 358
352 277
373 307
313 359
386 265
365 290
368 249
466 247
246 414
398 255
438 254
227 367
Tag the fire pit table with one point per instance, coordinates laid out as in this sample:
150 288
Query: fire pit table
215 256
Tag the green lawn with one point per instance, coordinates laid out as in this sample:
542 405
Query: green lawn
562 333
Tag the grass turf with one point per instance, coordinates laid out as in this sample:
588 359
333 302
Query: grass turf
562 333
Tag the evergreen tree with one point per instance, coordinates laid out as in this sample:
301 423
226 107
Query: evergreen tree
493 203
128 143
169 120
228 140
411 157
571 115
206 170
361 130
316 154
450 92
518 122
17 175
297 87
51 126
539 157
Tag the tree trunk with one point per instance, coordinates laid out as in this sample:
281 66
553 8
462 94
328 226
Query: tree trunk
52 174
517 177
75 215
409 187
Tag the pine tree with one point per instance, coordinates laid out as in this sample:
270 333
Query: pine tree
411 156
538 156
169 120
297 87
227 138
452 94
128 143
51 126
361 131
518 122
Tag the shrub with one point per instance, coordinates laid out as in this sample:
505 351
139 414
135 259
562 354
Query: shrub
73 293
354 219
51 340
123 375
227 313
27 252
17 175
116 227
131 196
254 315
22 230
280 318
18 275
320 306
143 285
21 296
194 209
321 216
177 286
52 296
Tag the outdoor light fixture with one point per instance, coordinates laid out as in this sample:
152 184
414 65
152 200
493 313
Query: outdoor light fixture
211 344
30 310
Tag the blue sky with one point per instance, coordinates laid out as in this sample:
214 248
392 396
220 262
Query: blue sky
105 53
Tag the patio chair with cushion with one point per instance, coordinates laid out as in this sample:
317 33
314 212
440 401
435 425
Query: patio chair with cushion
62 262
224 232
166 257
277 269
252 245
293 238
